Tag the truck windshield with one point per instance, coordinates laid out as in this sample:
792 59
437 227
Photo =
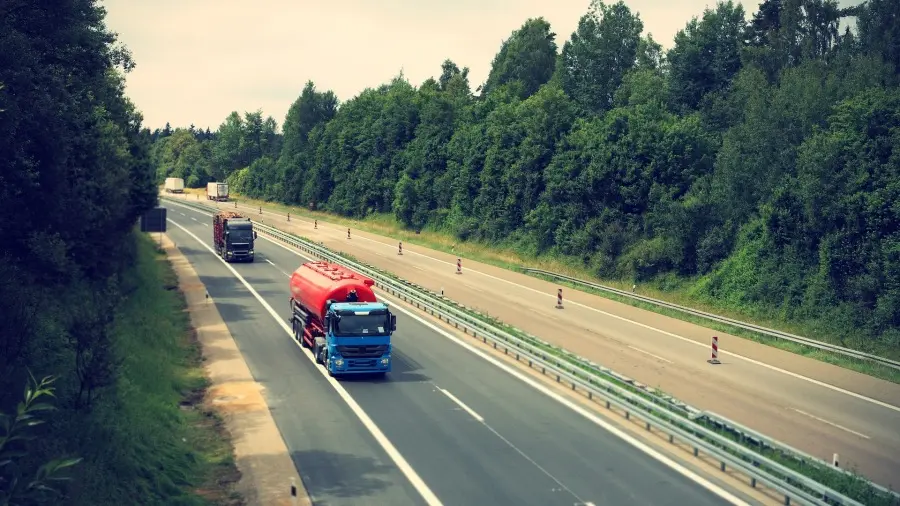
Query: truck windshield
361 325
240 235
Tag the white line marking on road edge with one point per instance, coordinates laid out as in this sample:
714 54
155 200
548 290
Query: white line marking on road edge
687 473
657 357
682 338
404 467
814 417
195 219
461 404
206 224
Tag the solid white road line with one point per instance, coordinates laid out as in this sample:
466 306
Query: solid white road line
657 357
404 467
814 417
684 471
670 334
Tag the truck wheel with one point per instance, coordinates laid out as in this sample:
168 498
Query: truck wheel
317 352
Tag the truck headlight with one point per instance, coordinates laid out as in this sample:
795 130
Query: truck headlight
385 361
339 362
251 252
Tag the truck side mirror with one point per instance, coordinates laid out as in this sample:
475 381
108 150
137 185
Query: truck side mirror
254 234
393 323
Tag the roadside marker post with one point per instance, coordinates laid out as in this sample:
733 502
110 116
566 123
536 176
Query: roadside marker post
715 351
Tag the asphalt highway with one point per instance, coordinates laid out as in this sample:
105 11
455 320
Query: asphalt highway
471 432
817 407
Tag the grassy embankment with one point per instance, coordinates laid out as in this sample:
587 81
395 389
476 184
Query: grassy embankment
150 439
671 289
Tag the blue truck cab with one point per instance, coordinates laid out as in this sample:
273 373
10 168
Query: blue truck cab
357 338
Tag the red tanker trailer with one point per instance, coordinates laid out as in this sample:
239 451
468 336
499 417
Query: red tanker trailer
335 312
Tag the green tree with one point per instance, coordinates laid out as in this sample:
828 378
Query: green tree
707 54
527 56
599 53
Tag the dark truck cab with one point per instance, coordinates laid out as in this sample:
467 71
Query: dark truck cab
233 236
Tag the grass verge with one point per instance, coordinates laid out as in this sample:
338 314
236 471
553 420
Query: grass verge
851 485
150 439
515 261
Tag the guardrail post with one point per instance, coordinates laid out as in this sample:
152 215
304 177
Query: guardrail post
348 233
559 304
260 210
400 248
316 224
459 266
442 291
293 493
834 461
715 351
289 216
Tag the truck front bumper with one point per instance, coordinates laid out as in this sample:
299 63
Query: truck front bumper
341 365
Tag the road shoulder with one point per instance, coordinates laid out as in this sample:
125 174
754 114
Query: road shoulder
261 455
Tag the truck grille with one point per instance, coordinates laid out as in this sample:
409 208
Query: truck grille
362 351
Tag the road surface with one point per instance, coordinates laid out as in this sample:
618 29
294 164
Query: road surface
819 408
470 432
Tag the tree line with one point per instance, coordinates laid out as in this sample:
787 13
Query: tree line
75 176
754 164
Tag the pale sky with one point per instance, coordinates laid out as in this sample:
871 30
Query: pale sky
198 60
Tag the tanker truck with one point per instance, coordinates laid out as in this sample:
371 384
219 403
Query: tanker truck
335 313
233 236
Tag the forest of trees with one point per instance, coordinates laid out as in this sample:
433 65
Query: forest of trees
760 159
76 174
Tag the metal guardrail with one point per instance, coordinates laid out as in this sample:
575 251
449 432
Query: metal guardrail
848 352
664 414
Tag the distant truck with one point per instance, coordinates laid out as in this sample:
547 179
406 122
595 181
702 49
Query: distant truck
233 236
217 191
174 185
335 313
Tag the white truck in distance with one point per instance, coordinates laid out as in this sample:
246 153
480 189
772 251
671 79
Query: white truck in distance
217 191
174 185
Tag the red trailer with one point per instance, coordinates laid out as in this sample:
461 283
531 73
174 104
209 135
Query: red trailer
313 285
